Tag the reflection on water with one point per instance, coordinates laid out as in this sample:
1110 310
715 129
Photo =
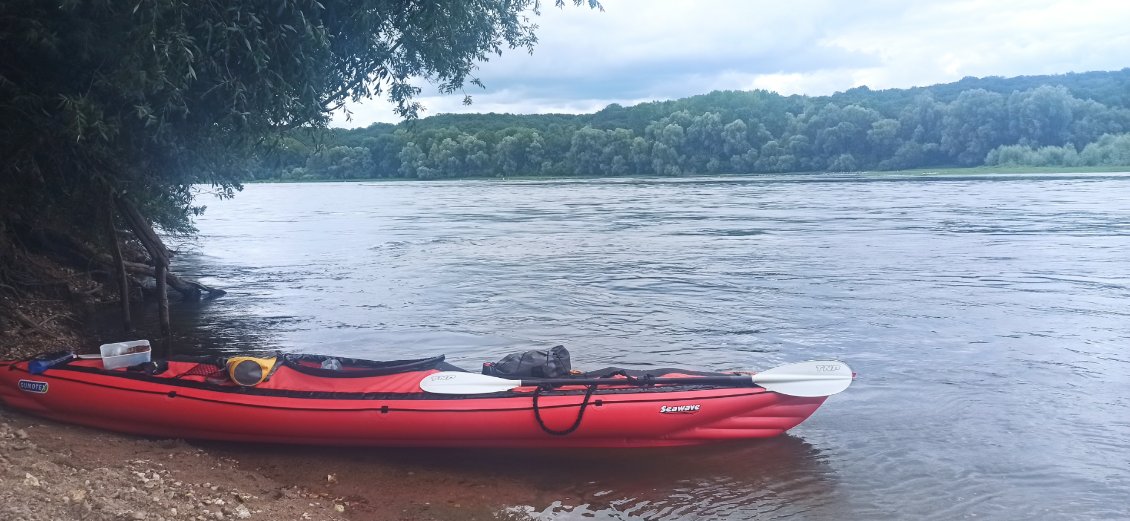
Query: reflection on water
770 479
764 479
987 318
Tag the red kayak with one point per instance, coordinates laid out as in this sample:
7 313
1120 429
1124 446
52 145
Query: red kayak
367 403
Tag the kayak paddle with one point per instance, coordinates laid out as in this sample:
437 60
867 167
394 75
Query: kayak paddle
806 379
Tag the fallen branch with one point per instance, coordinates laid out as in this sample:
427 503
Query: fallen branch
49 319
189 289
27 321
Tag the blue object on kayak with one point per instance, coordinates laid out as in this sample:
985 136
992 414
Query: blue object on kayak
41 364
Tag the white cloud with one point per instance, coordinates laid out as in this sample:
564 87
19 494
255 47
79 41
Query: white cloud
642 50
943 42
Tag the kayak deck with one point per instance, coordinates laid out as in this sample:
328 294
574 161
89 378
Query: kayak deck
304 404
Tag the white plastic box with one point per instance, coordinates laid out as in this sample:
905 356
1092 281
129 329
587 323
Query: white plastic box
125 354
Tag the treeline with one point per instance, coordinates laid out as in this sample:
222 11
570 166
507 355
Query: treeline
1109 150
1074 119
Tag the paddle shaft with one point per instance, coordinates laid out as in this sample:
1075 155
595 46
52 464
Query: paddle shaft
728 381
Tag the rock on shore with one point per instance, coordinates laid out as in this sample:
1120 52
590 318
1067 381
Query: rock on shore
52 472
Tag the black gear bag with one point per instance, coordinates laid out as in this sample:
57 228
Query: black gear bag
552 363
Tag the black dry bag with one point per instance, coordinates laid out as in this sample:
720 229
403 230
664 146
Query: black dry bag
537 364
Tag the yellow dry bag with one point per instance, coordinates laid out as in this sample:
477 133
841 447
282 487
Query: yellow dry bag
249 371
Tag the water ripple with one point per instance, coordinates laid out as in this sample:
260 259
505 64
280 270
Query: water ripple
985 315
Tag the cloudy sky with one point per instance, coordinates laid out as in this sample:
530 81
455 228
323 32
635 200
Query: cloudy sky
645 50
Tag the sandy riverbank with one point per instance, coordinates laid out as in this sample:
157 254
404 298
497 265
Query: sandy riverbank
53 471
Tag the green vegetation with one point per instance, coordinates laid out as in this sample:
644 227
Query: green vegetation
1014 169
151 97
1108 150
1068 120
108 104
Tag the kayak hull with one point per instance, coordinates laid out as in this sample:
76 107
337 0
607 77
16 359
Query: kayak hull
615 417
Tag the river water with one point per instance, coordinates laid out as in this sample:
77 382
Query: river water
988 319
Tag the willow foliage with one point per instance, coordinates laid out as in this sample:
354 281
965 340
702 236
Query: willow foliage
150 97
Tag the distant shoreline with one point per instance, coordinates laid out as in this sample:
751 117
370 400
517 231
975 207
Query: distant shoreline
980 170
950 171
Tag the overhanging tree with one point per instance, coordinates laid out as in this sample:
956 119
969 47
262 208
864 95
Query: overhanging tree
145 99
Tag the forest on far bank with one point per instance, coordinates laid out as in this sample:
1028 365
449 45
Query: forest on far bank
1063 120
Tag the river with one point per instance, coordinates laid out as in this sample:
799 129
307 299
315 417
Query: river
987 317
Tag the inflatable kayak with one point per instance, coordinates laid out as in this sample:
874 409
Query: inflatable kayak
311 399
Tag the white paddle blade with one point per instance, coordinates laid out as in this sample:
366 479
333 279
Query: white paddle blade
807 379
455 382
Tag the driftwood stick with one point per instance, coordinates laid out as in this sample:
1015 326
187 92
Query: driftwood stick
27 321
50 319
163 296
119 265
